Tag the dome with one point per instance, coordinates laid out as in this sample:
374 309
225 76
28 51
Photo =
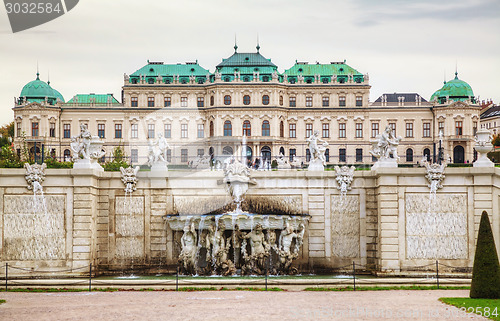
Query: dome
37 90
455 89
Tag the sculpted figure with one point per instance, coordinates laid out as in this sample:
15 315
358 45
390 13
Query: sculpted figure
317 150
386 144
80 145
158 151
187 258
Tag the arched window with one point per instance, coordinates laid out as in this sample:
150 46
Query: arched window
211 129
67 155
227 150
282 150
266 128
228 128
265 100
212 100
247 128
427 154
227 100
409 155
282 129
246 100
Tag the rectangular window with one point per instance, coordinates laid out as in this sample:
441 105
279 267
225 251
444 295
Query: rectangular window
184 101
52 130
167 131
151 130
342 157
375 130
342 101
458 128
327 155
151 101
393 127
169 155
342 131
474 128
326 130
201 102
118 130
18 130
200 152
359 101
168 101
326 101
293 130
101 130
427 130
184 155
134 131
293 153
359 155
359 130
134 156
134 101
441 127
409 129
67 130
34 129
309 101
309 130
201 130
184 130
293 102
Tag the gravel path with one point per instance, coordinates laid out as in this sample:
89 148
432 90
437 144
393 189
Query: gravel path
233 305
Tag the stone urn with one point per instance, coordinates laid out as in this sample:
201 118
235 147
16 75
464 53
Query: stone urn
483 146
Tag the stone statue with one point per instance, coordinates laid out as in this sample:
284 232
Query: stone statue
157 156
236 239
282 162
285 252
259 251
86 149
317 150
126 78
187 258
35 175
237 178
296 162
344 178
435 175
385 148
275 75
129 178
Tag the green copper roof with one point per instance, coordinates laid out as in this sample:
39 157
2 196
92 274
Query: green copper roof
37 90
305 69
455 90
158 68
246 60
98 99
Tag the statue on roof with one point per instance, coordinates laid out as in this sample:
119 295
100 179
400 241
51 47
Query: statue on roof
275 75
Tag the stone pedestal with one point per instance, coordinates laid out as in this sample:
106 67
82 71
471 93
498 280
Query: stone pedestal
159 167
316 165
87 164
386 163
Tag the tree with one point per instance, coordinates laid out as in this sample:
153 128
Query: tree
496 140
6 131
486 271
118 160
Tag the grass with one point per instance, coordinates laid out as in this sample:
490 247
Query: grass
388 288
489 308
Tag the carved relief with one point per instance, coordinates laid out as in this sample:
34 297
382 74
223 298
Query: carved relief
129 227
438 231
345 226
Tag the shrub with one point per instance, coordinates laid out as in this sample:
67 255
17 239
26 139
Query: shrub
486 271
9 159
117 162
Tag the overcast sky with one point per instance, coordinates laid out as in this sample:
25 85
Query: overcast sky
405 46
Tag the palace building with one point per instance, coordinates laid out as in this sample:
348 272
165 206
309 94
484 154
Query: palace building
246 106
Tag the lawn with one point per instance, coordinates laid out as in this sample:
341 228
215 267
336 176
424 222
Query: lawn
489 308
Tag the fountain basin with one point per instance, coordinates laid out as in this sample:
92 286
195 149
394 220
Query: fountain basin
245 221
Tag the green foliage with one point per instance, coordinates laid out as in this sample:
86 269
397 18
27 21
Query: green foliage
274 164
486 270
9 159
2 301
117 162
496 140
6 131
51 162
489 308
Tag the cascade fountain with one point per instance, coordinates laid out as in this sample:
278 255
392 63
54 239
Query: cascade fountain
226 243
